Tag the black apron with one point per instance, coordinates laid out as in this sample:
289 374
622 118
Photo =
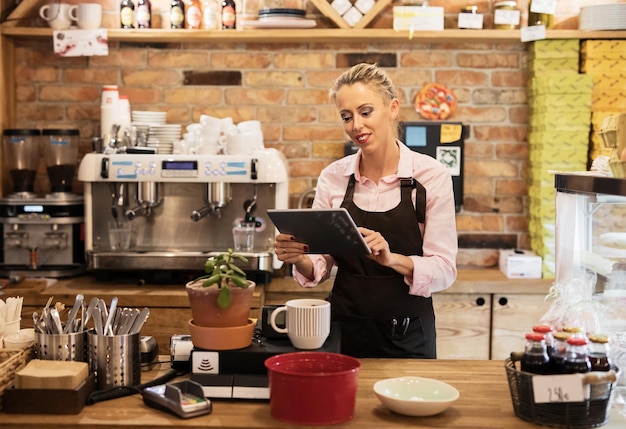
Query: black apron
371 303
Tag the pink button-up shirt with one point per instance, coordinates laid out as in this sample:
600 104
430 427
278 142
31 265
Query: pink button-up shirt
433 272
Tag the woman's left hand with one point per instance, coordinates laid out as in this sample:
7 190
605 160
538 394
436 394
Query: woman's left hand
378 245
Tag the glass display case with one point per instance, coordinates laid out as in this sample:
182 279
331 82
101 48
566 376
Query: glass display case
591 254
591 229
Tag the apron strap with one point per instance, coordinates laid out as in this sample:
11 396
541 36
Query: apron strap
406 186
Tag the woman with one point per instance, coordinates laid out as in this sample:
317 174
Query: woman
403 203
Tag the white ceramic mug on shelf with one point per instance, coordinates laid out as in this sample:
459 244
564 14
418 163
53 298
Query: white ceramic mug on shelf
89 16
307 322
58 15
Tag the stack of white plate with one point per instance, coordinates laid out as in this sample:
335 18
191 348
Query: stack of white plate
603 17
162 137
145 117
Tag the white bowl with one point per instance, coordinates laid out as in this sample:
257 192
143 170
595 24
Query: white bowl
415 396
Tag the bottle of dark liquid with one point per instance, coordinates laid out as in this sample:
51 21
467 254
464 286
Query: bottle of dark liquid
127 14
560 349
535 358
144 14
577 356
547 331
599 353
177 14
229 15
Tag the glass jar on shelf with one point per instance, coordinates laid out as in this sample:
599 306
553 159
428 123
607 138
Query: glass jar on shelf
506 15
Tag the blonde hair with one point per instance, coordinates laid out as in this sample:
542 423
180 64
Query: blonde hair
368 74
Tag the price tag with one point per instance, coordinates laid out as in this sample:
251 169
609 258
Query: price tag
506 17
558 388
471 20
533 32
543 6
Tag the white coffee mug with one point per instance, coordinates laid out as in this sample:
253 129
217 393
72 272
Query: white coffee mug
58 15
307 322
89 16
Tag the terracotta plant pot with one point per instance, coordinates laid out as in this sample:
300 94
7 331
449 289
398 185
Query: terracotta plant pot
205 311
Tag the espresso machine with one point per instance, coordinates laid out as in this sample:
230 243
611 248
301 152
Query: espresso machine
42 233
181 209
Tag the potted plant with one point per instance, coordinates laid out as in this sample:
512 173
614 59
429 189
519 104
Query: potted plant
220 302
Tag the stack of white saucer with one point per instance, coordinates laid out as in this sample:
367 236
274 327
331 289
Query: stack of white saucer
162 137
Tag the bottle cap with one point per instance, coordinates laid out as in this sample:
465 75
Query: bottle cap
577 341
599 338
544 329
562 335
535 336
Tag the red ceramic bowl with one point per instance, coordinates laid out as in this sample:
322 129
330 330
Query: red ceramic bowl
312 388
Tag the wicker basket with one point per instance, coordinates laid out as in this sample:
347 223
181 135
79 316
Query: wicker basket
587 414
11 361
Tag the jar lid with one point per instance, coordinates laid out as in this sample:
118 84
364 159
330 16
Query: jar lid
60 132
505 3
562 335
21 132
535 336
544 329
469 9
577 341
597 338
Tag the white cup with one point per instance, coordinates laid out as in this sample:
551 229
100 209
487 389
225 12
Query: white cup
89 16
58 15
252 126
307 322
244 144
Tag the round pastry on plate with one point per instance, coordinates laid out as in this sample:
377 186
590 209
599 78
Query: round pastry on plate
435 101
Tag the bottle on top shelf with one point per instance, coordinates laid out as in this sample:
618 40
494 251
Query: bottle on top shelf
211 15
193 15
127 14
144 14
177 14
229 15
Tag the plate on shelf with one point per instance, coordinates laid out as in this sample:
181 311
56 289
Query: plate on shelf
280 22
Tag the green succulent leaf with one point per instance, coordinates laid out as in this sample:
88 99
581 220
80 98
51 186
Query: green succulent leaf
211 280
224 298
239 281
237 270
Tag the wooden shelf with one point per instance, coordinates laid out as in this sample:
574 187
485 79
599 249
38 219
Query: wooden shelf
324 35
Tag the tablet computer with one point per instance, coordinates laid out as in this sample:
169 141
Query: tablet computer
325 231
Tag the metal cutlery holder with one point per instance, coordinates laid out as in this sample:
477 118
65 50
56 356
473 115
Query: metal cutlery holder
65 347
115 359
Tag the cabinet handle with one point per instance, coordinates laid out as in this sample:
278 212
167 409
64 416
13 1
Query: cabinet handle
503 301
480 301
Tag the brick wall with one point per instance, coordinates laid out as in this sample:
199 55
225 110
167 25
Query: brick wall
285 86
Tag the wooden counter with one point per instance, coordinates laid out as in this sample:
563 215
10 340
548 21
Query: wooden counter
484 402
463 322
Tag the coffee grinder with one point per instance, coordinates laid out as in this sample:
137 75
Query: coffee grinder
42 232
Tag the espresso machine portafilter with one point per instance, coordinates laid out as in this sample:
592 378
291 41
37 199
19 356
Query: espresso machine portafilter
217 196
180 209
